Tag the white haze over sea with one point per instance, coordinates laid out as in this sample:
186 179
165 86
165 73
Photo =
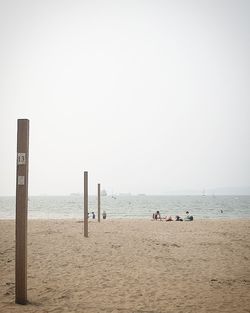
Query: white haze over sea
147 96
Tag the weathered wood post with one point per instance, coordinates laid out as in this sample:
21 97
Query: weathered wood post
99 202
21 210
85 204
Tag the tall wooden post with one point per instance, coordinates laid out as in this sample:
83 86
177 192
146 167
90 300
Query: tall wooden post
99 202
85 204
21 210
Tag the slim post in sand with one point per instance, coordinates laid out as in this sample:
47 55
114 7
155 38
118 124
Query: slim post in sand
85 204
21 210
99 202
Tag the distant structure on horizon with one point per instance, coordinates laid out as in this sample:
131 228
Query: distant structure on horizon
76 194
124 194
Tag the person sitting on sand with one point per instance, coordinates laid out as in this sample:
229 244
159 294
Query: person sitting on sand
188 217
157 216
178 218
169 219
104 215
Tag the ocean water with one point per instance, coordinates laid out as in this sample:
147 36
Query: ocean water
64 207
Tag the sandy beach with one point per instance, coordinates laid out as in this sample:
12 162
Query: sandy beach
130 266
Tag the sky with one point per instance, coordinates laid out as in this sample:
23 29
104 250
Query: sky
147 96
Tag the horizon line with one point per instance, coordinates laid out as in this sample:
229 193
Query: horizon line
134 195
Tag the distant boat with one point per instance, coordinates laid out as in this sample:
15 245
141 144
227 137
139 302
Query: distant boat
103 193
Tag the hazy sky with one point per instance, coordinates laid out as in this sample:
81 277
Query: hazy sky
147 96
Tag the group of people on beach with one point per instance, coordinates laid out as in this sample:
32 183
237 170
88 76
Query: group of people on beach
104 215
157 217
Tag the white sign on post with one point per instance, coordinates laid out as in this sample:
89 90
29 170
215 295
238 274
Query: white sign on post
20 180
21 159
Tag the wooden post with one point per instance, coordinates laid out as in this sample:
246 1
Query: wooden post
99 202
85 204
21 210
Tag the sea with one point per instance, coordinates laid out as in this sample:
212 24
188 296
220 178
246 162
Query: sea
131 206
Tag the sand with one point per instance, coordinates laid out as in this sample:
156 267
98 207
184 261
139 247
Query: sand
130 266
